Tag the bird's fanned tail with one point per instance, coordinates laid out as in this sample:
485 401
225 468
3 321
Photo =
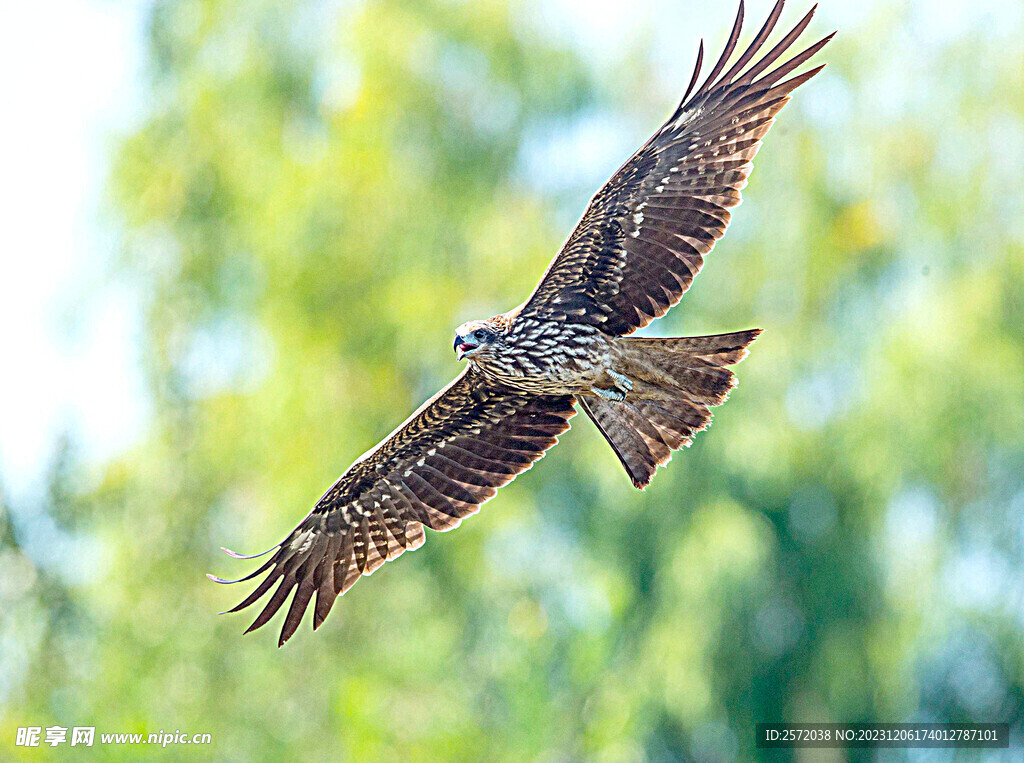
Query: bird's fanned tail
676 382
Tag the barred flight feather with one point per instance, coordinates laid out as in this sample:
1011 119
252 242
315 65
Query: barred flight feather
479 436
644 235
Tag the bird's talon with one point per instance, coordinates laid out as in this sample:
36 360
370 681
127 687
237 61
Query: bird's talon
622 382
615 395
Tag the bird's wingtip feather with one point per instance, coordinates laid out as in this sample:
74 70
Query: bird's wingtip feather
236 555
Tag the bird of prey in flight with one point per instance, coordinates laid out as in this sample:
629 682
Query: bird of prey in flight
635 251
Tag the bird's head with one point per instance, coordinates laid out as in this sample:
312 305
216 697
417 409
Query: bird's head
476 337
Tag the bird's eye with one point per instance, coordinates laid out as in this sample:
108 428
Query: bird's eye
479 334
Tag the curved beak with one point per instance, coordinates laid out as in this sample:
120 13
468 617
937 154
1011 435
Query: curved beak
462 347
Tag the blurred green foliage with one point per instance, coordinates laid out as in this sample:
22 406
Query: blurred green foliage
320 194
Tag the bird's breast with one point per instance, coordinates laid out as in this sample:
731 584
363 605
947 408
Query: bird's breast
547 357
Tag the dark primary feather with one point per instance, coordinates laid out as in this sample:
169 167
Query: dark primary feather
644 235
438 467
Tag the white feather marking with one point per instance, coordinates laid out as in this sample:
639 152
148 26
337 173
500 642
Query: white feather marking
684 117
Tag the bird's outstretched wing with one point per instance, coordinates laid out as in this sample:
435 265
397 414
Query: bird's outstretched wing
644 235
438 467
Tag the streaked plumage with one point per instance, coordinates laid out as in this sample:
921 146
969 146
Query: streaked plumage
636 250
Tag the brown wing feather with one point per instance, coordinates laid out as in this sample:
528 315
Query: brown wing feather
438 467
644 235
